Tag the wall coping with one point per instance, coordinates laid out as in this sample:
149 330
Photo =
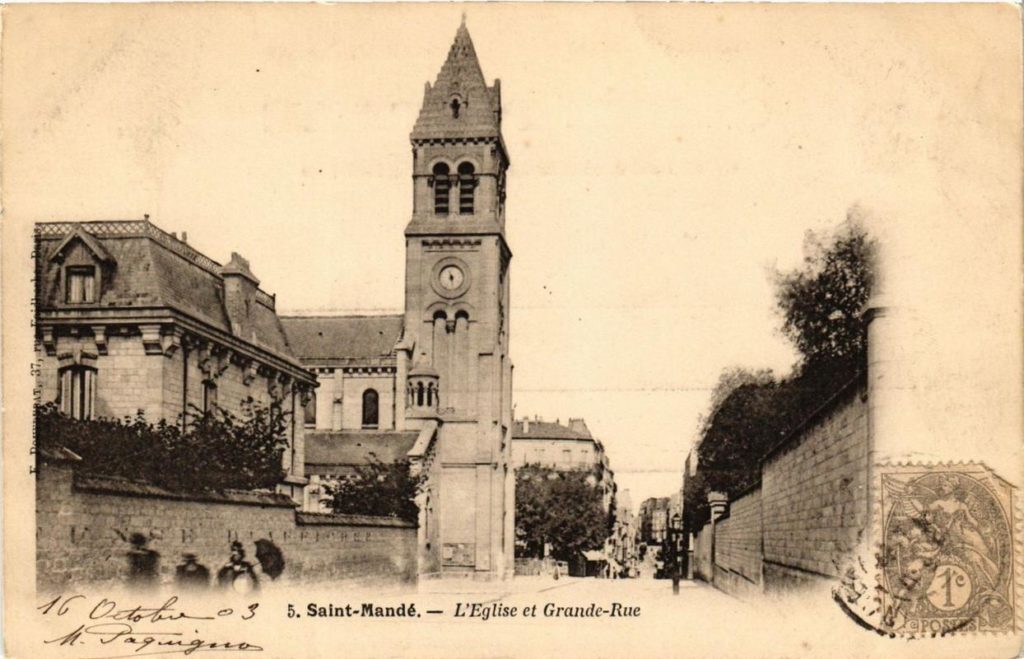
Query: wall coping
756 485
338 519
126 487
852 385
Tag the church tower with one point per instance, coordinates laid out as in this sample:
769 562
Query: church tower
456 318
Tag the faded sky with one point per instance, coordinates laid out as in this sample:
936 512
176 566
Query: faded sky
663 160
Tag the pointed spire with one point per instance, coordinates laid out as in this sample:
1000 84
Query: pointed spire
459 103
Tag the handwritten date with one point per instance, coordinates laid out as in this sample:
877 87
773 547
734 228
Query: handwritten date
109 623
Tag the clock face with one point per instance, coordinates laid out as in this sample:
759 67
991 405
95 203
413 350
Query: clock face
451 277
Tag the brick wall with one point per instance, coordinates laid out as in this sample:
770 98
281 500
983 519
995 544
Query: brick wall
814 495
82 528
738 545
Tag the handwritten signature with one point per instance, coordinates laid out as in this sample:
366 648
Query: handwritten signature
111 632
110 623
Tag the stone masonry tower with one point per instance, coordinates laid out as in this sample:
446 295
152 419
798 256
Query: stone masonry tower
456 314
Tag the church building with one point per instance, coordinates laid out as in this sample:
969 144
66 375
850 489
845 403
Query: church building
434 385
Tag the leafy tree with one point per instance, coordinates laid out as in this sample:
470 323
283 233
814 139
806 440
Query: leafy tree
377 488
751 412
561 508
218 450
822 302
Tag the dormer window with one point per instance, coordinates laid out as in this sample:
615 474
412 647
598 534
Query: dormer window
81 284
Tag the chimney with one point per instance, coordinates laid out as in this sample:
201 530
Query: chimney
579 426
240 286
184 236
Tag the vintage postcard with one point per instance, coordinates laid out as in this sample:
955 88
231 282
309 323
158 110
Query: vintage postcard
512 330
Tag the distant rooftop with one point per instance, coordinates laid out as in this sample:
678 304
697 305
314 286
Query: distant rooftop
537 428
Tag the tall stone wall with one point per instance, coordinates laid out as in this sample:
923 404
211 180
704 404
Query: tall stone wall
702 542
814 494
738 540
83 525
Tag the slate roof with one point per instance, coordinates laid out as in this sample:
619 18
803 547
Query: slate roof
152 268
328 451
460 77
326 339
547 430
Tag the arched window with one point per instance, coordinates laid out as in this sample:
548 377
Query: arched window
442 189
309 412
371 408
78 392
455 106
467 187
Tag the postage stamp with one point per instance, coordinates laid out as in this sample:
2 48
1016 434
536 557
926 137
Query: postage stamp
947 555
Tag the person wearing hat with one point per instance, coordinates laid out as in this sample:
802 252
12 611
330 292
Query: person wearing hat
143 563
238 573
191 575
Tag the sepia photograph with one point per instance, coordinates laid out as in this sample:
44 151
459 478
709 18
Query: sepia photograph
499 329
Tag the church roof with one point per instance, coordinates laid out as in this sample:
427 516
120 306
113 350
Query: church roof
326 339
460 80
328 452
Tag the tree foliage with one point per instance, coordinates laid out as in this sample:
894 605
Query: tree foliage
217 450
822 302
821 305
378 488
564 509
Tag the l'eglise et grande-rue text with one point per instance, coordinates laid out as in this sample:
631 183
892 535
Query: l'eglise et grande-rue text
549 610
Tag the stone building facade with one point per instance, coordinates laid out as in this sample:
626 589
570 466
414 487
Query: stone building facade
547 444
131 319
434 385
621 548
654 520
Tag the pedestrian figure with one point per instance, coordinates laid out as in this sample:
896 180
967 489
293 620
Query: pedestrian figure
143 563
191 575
238 574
